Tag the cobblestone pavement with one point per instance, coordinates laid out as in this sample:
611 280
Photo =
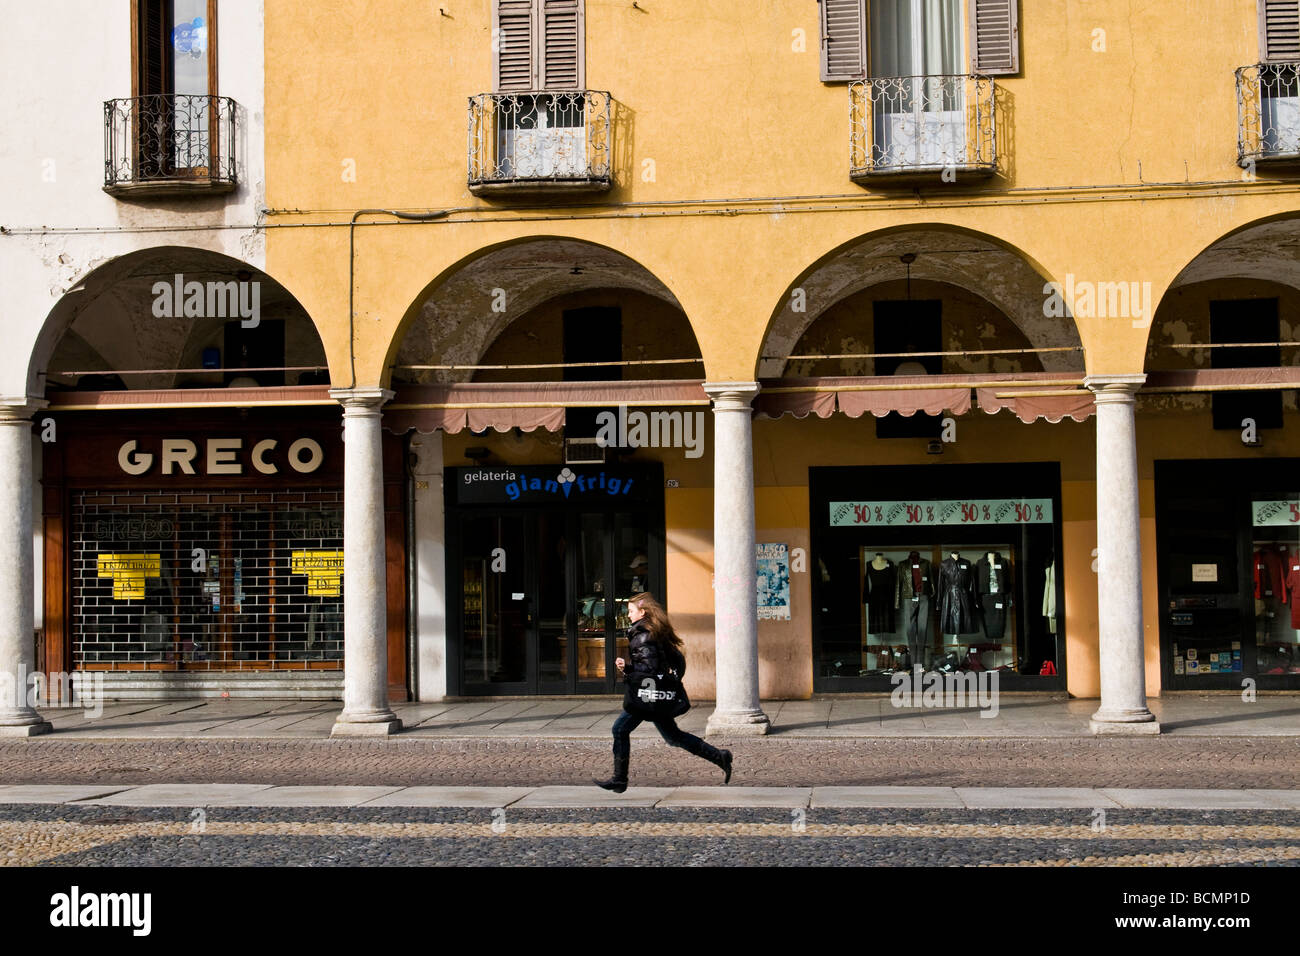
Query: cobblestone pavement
1158 762
364 836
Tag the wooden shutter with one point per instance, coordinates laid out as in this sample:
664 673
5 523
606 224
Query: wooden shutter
844 48
561 53
994 36
514 61
153 51
1279 30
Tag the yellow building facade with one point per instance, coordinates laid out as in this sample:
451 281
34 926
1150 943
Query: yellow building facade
904 262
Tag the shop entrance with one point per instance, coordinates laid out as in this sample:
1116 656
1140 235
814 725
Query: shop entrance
539 594
1228 545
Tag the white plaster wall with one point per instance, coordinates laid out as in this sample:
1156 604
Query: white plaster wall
429 604
63 59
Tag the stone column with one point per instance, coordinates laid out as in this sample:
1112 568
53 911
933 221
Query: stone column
17 637
735 598
365 613
1119 562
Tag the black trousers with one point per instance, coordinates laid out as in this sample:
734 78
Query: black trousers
916 616
668 729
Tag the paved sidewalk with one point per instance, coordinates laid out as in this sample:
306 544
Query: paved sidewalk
874 716
970 798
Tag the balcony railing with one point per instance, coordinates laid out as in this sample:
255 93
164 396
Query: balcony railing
922 125
1268 113
553 140
169 144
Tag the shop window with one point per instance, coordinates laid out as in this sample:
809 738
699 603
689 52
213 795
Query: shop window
207 580
908 327
947 569
1253 321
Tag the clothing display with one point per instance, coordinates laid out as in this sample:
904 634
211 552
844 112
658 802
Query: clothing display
956 596
1291 584
1049 598
993 583
912 598
879 593
1271 572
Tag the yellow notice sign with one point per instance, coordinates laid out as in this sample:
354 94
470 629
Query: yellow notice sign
129 572
324 570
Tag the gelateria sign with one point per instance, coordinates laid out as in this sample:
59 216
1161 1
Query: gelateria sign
969 511
220 456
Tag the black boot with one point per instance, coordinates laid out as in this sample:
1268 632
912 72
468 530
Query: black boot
720 757
618 782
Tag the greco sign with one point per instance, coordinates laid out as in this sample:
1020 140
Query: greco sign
219 456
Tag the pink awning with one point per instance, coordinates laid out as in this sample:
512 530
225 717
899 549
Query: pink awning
858 395
1034 395
525 405
182 397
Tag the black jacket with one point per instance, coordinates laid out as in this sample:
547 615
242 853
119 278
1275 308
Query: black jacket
647 657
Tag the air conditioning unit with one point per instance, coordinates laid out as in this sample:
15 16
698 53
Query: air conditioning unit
584 451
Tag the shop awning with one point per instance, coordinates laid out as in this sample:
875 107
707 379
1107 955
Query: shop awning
1034 395
122 399
526 406
1030 396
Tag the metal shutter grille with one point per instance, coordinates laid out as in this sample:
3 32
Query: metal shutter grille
515 45
995 37
843 39
561 41
1280 25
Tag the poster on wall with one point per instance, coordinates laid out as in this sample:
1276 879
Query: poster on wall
773 582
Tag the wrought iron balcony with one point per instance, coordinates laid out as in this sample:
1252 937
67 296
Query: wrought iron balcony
922 126
540 142
1268 113
169 144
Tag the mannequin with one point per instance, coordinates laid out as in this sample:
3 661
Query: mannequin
1049 596
913 598
956 595
878 590
993 579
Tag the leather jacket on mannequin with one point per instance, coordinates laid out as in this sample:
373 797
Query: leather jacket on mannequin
993 584
956 596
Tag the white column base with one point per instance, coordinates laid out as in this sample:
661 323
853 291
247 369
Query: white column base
34 729
356 728
744 724
1124 725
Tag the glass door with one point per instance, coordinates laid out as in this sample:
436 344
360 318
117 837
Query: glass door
543 598
496 606
916 56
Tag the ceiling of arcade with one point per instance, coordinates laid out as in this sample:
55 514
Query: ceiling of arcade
1003 281
466 313
110 325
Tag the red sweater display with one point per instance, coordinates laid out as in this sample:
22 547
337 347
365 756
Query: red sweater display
1272 573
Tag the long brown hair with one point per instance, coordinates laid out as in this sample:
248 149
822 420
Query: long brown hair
656 619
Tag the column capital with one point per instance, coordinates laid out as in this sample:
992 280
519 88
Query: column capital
1114 389
361 399
17 409
731 396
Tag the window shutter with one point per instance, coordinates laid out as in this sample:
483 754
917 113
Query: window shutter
1279 30
515 63
995 36
562 52
843 39
154 48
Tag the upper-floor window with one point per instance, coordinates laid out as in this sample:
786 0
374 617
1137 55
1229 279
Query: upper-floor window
886 38
538 45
